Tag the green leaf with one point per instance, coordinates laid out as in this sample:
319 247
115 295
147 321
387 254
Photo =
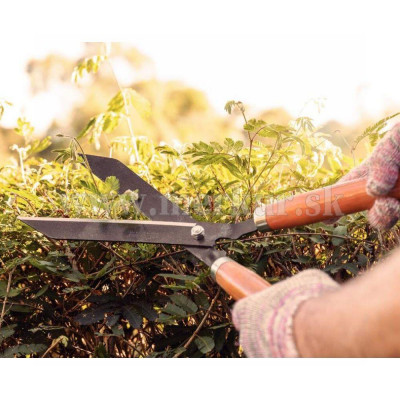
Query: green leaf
14 262
87 66
229 105
173 309
75 276
103 271
132 315
76 289
184 302
110 184
21 309
204 343
7 331
317 239
94 314
42 291
12 293
100 351
351 267
362 259
43 265
339 231
117 330
165 319
23 349
3 104
87 128
129 97
112 319
39 145
302 259
24 128
146 310
179 277
374 132
201 300
140 103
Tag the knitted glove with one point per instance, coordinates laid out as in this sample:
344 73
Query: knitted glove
265 319
382 170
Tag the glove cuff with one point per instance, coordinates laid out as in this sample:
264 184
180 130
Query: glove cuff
265 320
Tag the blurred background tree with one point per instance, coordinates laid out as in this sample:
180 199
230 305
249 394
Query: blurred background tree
180 113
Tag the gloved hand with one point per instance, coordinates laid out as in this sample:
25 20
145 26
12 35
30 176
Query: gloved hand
382 170
265 319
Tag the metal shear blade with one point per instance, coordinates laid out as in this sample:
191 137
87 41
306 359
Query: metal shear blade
170 224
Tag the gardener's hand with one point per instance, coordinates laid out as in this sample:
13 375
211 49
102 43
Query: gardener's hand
265 319
382 170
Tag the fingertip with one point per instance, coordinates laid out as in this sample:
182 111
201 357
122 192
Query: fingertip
384 214
382 179
235 312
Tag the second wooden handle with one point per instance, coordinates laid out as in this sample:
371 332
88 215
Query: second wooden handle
239 281
318 205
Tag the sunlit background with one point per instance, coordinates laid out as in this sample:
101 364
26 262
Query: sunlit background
331 79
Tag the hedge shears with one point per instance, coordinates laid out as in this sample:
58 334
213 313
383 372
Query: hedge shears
170 225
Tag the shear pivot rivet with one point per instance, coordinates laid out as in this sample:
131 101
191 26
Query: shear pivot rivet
197 232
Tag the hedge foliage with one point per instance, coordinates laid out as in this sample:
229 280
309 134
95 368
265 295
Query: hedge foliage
89 299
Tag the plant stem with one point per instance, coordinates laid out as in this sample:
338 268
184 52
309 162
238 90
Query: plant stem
22 166
3 310
128 117
202 322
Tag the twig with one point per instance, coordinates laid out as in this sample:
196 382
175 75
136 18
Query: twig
54 344
190 340
3 310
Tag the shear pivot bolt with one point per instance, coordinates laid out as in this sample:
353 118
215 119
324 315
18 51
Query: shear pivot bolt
197 232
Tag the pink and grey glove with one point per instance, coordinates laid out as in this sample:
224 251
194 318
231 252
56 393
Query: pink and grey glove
265 319
382 170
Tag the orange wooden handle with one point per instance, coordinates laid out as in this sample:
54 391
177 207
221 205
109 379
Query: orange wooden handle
318 205
239 281
306 208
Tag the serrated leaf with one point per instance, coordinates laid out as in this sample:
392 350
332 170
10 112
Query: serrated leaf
146 310
24 128
16 262
75 276
339 231
12 293
173 309
204 343
201 300
351 267
132 315
165 319
100 351
22 350
21 309
7 331
42 291
76 289
39 145
94 314
110 184
117 330
362 259
184 302
317 239
179 277
111 320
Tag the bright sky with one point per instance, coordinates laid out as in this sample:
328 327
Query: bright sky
355 72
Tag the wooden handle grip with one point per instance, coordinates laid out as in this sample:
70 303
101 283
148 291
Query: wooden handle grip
239 281
318 205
